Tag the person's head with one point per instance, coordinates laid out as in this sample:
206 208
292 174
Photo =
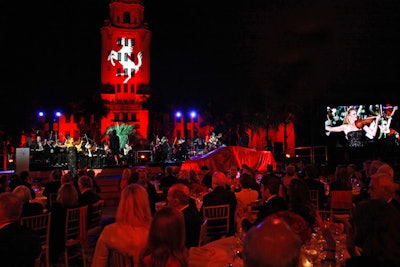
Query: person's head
178 195
85 183
375 229
10 208
246 180
271 243
24 175
67 196
219 179
269 185
24 193
169 170
56 174
291 170
66 178
298 192
386 168
167 237
381 186
134 207
351 116
297 223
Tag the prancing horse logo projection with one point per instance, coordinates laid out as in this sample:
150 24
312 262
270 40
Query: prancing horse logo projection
127 63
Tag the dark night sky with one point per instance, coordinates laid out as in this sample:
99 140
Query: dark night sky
313 52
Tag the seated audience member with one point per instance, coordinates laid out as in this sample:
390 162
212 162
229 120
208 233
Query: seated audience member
143 179
67 197
221 196
87 195
383 187
4 184
19 246
244 197
178 197
131 228
24 176
66 178
272 243
92 175
125 176
52 186
169 178
166 242
299 201
29 208
373 238
312 180
206 176
271 201
297 223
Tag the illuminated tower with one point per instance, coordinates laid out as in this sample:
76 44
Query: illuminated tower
125 66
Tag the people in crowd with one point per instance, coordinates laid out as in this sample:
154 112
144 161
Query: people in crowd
272 243
290 174
22 179
383 187
169 178
271 201
341 181
28 208
313 182
220 195
143 179
87 196
125 176
19 246
130 231
374 234
178 197
299 201
52 186
4 184
166 242
67 197
206 176
244 197
91 173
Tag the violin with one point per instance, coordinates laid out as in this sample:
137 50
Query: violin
361 122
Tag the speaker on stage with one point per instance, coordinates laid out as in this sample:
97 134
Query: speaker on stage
278 152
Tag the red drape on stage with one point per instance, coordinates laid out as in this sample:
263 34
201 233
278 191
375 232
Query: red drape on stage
225 158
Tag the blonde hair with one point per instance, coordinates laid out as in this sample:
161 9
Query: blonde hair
134 207
67 196
23 192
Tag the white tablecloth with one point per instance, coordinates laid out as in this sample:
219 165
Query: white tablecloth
218 253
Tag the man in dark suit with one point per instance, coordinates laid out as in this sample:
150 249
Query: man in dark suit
271 202
19 246
87 195
178 197
221 195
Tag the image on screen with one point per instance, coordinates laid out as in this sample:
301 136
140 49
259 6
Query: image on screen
377 124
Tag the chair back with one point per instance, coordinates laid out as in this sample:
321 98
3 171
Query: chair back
76 233
119 259
95 213
217 220
52 200
203 233
341 203
314 198
41 225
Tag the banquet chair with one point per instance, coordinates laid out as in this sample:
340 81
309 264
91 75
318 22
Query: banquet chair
341 205
217 220
41 225
75 235
52 200
203 233
119 259
95 213
314 198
